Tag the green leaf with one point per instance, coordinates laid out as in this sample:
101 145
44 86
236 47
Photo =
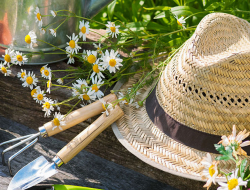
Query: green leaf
242 168
227 153
188 1
177 2
204 2
223 158
136 26
176 41
161 15
158 8
157 27
184 10
213 6
110 9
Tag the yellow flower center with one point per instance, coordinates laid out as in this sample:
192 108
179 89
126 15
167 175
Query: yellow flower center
29 80
91 58
96 69
112 28
4 69
232 183
211 170
103 106
40 97
56 121
46 72
38 16
41 70
83 29
49 84
19 58
95 88
23 74
112 62
27 39
72 44
33 92
7 58
46 105
178 22
85 97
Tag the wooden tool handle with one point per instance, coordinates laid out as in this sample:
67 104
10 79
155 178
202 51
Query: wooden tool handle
79 115
86 136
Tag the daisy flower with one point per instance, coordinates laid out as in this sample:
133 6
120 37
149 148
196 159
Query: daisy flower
111 61
46 72
49 84
136 105
81 85
106 106
97 70
180 21
30 9
233 183
52 32
34 91
122 98
88 96
42 30
30 39
9 53
72 44
236 141
59 81
30 80
48 106
85 55
4 70
58 121
96 84
91 56
112 29
210 170
53 13
84 29
56 105
39 95
19 58
22 75
98 48
71 58
38 17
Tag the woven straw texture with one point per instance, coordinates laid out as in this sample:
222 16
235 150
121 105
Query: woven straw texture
205 86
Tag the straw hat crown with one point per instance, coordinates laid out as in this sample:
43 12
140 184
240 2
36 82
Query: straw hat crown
207 85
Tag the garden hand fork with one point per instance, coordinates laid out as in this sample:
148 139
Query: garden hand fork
47 130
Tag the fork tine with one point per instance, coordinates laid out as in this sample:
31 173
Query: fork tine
19 152
16 145
16 139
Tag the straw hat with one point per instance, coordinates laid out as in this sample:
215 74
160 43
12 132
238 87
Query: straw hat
202 93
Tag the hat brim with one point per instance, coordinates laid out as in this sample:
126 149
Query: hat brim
138 134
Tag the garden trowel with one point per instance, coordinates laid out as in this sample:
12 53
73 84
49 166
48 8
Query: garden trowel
40 169
48 129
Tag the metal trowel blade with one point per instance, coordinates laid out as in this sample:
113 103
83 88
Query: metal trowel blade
32 174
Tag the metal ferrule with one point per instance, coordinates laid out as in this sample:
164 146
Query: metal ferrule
43 131
58 161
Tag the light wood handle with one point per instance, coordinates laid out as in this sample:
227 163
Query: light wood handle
85 137
79 115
